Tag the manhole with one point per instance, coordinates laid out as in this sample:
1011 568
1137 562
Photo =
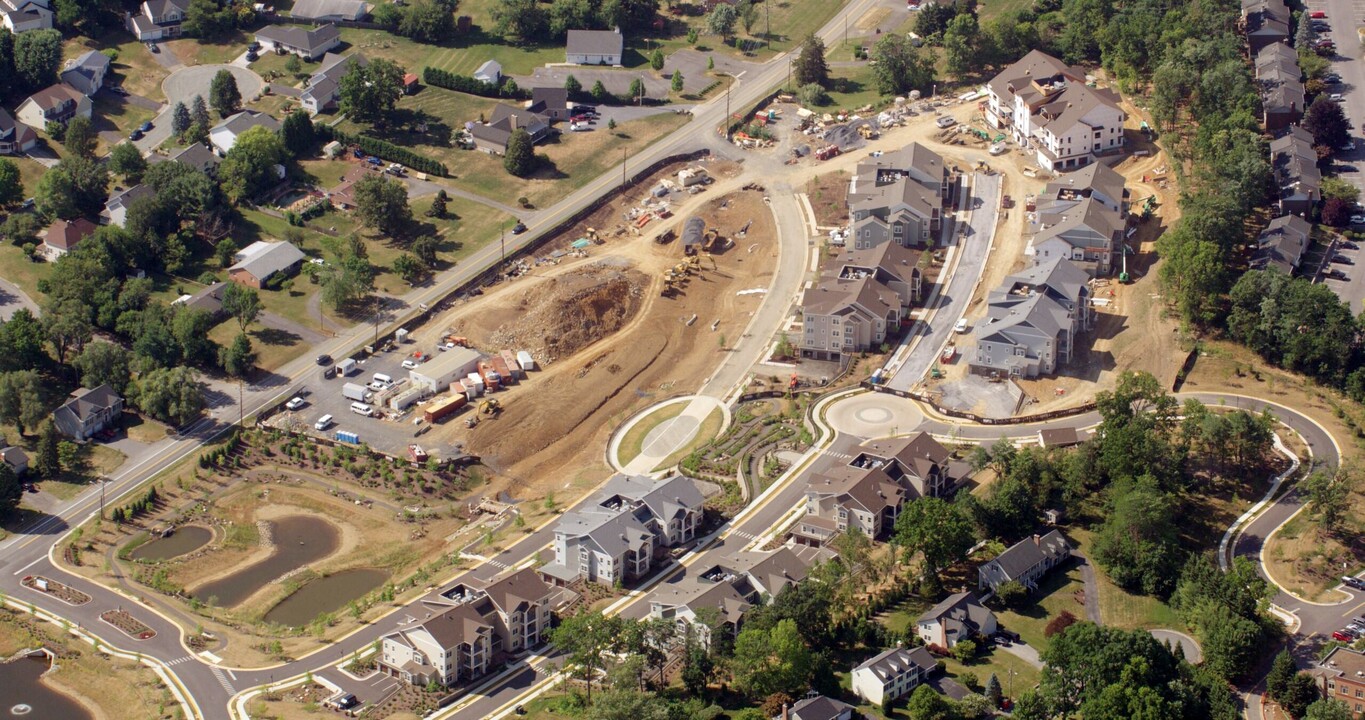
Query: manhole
20 709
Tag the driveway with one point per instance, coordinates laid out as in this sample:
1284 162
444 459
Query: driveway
182 85
1189 645
1027 653
166 57
12 298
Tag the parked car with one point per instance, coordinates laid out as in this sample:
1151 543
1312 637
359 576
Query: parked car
115 89
409 364
1318 15
1358 219
945 122
136 134
960 326
1347 244
146 127
1337 274
253 46
1340 636
1349 146
152 46
324 360
1331 78
294 403
1337 97
251 56
1354 582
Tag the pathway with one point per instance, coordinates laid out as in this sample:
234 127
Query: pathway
1187 644
670 435
1092 589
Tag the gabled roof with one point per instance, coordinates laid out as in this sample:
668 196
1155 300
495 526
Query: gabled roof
1058 277
870 490
1089 214
893 661
490 67
159 8
86 403
295 36
64 234
125 198
865 297
818 708
54 97
262 259
8 126
209 299
552 97
1093 178
1029 552
889 261
459 625
594 42
962 612
1282 243
197 155
510 118
518 590
87 66
245 120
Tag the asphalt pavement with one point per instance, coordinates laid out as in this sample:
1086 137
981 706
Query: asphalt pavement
1344 16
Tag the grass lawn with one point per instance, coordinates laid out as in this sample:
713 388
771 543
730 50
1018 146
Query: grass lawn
276 106
271 67
119 116
997 661
95 460
707 432
790 21
463 57
144 430
634 440
1059 590
901 616
21 271
468 226
996 8
135 69
1123 609
30 171
192 51
853 87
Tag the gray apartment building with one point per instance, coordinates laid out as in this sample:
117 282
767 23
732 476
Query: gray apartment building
859 300
900 197
1081 217
1033 320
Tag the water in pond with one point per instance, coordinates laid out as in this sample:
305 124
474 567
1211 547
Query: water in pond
22 694
299 540
325 595
183 540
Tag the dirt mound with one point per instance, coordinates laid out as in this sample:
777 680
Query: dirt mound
565 314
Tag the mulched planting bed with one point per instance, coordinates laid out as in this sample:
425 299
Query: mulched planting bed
65 593
131 626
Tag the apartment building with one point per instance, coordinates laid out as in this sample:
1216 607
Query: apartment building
1033 321
1047 106
860 300
900 197
1341 676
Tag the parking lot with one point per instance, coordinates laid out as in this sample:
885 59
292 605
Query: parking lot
1340 22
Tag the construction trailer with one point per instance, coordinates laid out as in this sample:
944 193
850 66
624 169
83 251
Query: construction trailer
504 372
491 379
444 407
525 360
445 368
406 399
694 231
517 372
466 387
346 366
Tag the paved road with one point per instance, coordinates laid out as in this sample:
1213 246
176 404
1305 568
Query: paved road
1343 16
182 85
12 298
972 248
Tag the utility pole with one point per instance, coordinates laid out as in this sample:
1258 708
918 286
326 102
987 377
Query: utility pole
768 25
727 108
623 171
502 239
241 412
103 480
376 322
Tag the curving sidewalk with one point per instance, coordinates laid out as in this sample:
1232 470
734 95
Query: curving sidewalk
670 435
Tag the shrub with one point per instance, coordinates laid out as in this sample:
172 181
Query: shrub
1059 624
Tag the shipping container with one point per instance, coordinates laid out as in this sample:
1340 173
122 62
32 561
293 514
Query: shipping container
504 372
491 379
525 360
352 391
346 366
477 380
443 407
467 387
510 358
405 399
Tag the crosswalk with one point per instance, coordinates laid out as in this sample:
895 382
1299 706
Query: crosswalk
180 660
497 564
839 456
744 535
223 679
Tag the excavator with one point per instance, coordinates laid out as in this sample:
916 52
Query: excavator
491 406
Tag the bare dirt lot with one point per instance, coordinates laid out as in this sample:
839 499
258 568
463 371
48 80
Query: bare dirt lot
611 341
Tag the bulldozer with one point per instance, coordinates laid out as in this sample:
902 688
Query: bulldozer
491 406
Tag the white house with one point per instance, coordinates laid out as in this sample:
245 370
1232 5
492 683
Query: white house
86 73
55 103
116 208
324 86
489 72
309 44
594 47
157 19
224 135
1046 105
892 674
958 617
23 15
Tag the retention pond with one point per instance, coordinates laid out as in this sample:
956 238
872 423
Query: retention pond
325 595
298 540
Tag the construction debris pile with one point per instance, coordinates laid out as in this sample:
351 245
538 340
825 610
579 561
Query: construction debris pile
564 314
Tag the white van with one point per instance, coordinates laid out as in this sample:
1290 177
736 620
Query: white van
360 408
323 422
382 379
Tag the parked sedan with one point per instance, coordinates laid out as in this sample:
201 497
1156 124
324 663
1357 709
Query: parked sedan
146 127
409 364
294 403
1342 260
1354 582
1358 219
136 134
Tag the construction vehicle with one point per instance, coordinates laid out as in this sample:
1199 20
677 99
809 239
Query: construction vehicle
709 239
491 406
708 256
867 132
457 340
666 237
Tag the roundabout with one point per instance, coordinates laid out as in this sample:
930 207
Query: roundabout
662 430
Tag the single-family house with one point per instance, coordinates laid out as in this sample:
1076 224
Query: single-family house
55 103
23 15
86 73
324 10
324 86
1295 165
224 135
199 157
816 707
1282 243
15 458
893 674
615 537
63 235
157 19
960 616
1047 106
490 72
15 137
1341 677
263 260
208 300
1025 562
1033 320
309 44
492 136
870 490
899 197
1282 90
116 207
551 102
594 47
88 412
1059 437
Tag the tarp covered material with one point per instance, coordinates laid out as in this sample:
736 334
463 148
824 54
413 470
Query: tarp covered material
581 243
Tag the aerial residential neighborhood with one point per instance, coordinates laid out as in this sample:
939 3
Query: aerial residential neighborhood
681 360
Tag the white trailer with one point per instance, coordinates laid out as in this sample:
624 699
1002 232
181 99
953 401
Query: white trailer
346 367
352 391
525 360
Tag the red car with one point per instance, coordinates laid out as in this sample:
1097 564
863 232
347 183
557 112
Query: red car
1317 15
1341 636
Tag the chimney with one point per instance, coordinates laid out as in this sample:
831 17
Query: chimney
512 121
785 715
1037 539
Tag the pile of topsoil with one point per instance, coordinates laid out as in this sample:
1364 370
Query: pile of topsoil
565 314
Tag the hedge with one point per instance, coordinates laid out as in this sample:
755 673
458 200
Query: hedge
393 153
466 84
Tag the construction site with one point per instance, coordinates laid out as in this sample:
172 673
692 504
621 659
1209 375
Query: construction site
618 313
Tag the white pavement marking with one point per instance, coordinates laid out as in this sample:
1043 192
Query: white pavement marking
222 679
35 562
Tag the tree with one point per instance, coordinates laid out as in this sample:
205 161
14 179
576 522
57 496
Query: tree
1230 642
1327 122
242 303
810 66
37 53
993 692
438 205
224 96
523 20
199 112
298 133
1060 623
73 187
427 21
926 704
180 119
11 185
425 249
588 639
937 530
21 401
1328 709
207 19
11 491
572 86
698 667
21 340
126 160
677 81
1327 496
382 204
409 268
249 167
964 651
813 95
1282 670
66 324
932 20
172 395
80 137
611 123
898 66
21 228
104 363
237 359
47 459
370 91
346 281
962 44
1299 695
721 21
1137 543
637 90
191 330
748 15
599 92
656 60
520 159
771 661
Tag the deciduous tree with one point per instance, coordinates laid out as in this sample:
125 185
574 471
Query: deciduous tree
937 531
11 184
771 661
899 67
369 92
224 96
47 459
126 160
1327 122
382 204
242 303
21 400
249 167
104 363
173 395
237 359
